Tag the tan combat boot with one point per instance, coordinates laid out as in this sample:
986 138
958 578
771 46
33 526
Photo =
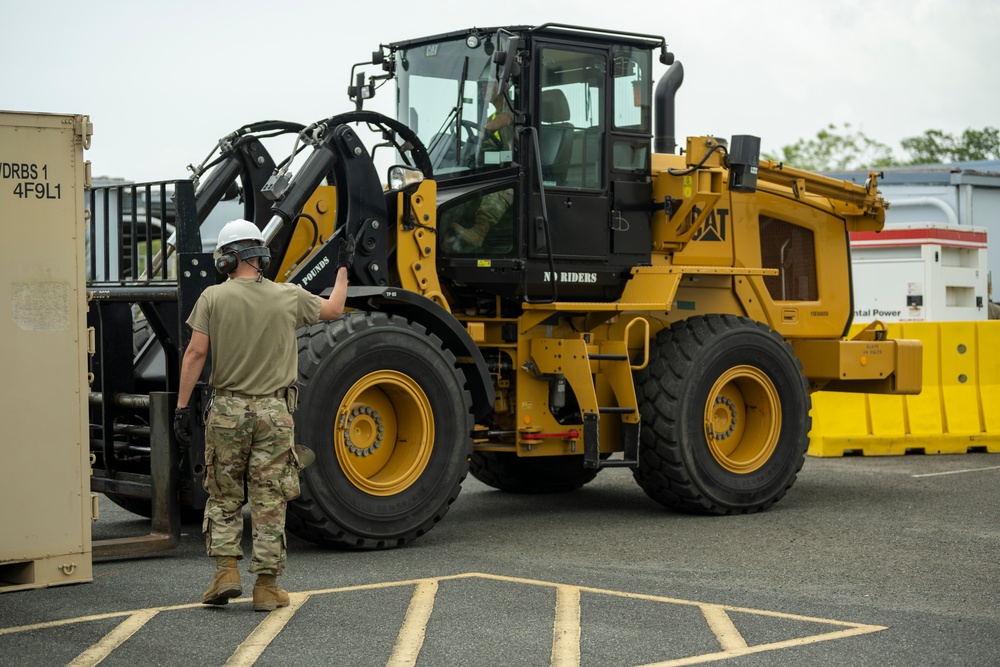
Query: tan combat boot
226 584
266 594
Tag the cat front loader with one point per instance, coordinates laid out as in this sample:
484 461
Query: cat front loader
544 287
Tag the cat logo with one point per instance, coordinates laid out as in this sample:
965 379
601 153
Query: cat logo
714 228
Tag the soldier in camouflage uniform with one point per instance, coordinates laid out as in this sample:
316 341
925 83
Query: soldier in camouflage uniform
249 325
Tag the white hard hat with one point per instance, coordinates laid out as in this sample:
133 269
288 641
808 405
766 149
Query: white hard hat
238 230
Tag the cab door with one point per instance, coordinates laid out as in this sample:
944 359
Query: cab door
571 112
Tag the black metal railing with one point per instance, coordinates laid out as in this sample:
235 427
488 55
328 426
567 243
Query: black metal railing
131 231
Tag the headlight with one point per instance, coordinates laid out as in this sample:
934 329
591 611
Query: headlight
404 178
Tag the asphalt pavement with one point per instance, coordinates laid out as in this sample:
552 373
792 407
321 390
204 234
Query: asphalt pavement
867 561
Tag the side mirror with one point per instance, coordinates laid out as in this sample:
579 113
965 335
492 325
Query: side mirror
507 60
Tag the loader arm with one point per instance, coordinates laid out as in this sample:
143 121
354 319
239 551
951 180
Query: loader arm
245 163
340 155
861 206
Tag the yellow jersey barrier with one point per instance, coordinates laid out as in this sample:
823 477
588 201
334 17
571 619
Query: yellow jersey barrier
957 411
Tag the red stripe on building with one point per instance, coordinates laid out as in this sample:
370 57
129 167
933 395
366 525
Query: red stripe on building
921 236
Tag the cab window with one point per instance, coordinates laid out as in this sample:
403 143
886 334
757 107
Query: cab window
480 224
572 123
630 144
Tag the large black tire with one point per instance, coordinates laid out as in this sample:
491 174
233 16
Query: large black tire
384 407
725 416
543 474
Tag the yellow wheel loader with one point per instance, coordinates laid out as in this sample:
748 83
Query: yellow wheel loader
543 287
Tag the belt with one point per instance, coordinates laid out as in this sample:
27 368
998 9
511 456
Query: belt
225 393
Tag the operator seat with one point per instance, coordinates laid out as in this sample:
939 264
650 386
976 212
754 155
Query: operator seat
555 136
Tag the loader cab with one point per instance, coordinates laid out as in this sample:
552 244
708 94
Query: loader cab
555 205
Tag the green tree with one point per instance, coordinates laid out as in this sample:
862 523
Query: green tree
836 149
935 146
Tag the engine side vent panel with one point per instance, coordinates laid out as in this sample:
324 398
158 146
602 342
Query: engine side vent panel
790 249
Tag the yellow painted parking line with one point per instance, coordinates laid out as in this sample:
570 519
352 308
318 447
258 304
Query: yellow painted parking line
760 648
727 634
410 639
566 627
265 632
103 648
730 645
64 621
95 617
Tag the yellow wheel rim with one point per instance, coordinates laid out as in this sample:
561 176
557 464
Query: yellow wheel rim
742 419
384 433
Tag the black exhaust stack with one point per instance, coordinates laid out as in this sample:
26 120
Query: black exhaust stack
664 140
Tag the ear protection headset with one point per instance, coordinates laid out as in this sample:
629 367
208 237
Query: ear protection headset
240 240
227 261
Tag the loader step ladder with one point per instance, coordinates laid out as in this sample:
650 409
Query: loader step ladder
583 364
616 368
591 445
630 431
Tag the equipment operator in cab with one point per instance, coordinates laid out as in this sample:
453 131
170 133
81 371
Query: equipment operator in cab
249 322
498 140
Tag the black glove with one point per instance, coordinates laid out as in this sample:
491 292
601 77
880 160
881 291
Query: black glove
182 425
345 251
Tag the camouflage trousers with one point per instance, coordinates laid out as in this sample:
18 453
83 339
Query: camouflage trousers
249 442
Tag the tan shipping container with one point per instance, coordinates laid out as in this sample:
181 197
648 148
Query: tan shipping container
46 506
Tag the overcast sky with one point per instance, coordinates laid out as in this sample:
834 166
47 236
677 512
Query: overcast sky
163 81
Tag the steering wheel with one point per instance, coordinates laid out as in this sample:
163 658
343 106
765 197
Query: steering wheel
473 131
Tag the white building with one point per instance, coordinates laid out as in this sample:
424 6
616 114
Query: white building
940 246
